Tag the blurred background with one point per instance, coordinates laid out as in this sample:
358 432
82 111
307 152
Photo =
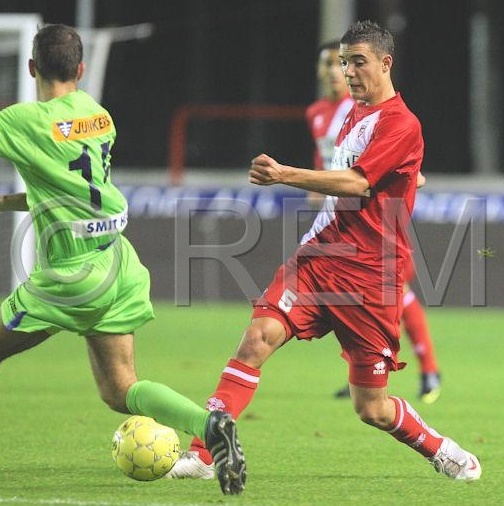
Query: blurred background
198 87
448 62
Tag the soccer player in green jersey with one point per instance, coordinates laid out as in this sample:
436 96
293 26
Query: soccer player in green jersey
88 278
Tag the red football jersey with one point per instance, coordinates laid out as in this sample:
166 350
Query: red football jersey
385 143
325 118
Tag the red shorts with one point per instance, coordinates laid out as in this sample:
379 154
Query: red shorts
368 330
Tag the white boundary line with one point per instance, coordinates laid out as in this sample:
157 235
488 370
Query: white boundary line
74 502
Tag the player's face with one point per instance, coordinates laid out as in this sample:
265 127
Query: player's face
367 75
330 75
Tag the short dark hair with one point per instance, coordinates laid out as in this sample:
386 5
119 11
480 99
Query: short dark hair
57 52
331 45
380 40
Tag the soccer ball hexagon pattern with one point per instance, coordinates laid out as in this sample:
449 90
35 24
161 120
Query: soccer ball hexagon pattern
144 449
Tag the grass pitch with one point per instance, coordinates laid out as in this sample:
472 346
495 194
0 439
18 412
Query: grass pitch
303 447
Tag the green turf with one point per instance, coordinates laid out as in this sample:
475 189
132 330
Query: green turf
302 446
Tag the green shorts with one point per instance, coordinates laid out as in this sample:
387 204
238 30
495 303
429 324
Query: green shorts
101 292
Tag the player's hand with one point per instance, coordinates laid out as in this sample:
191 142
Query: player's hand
265 171
420 180
13 202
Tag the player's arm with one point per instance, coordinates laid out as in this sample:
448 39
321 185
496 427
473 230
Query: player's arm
315 199
13 202
266 171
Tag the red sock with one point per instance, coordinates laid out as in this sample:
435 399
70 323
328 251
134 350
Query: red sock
410 429
417 328
233 394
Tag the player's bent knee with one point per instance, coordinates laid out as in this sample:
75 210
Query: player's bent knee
373 415
114 399
255 336
116 405
258 343
368 418
268 331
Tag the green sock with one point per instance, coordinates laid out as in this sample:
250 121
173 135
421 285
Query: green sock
167 407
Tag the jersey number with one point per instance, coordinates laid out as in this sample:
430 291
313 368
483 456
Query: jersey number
287 300
83 163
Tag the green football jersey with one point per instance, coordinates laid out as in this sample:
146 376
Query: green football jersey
61 148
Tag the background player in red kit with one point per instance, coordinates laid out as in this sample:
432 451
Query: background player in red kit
347 274
325 118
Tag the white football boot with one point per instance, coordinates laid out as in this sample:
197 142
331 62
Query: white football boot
456 463
189 465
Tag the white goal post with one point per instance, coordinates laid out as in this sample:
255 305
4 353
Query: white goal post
96 43
16 38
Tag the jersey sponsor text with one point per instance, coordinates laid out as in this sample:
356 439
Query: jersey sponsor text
343 158
81 128
100 226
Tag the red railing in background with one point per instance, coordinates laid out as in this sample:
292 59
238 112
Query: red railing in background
177 135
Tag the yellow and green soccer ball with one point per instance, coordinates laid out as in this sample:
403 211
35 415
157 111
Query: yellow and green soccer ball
143 449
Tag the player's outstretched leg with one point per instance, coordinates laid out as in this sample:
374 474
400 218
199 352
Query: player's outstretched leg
444 454
222 441
455 462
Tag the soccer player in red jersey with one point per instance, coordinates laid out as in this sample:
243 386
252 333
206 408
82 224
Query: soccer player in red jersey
325 117
347 275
